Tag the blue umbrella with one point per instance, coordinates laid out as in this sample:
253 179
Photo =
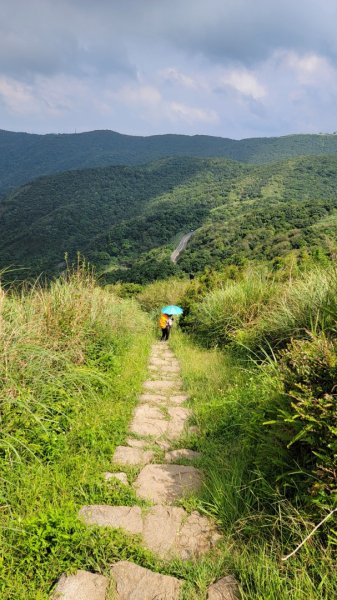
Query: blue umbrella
172 310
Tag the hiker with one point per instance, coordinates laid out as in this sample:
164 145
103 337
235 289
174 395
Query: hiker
165 324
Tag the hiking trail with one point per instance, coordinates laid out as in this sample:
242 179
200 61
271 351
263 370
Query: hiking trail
169 531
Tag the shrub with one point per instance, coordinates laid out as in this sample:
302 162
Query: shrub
308 369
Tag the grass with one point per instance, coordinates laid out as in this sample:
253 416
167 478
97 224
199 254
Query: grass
73 359
260 525
299 306
162 292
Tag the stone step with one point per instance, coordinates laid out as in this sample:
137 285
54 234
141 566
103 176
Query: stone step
179 416
165 368
161 400
161 362
163 352
226 588
168 531
164 484
168 376
134 443
148 420
136 583
82 585
128 518
178 398
159 385
125 455
184 453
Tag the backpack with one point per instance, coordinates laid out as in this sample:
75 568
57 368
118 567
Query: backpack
163 321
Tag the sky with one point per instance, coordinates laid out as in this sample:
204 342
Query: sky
229 68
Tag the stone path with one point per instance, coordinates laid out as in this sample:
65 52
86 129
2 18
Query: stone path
159 420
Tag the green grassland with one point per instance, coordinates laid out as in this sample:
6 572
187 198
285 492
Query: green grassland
258 354
73 359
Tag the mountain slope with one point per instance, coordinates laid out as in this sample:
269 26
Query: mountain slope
125 219
64 212
24 157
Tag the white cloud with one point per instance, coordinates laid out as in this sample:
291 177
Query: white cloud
244 82
191 114
141 95
175 76
17 97
310 68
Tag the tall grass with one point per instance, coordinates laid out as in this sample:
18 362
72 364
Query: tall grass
72 361
159 293
222 312
242 463
299 306
261 313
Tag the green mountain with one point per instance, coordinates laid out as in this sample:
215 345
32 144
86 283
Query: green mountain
126 220
24 157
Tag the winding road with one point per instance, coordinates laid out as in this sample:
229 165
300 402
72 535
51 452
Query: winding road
181 246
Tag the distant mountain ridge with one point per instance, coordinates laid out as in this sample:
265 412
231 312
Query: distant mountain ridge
26 156
125 219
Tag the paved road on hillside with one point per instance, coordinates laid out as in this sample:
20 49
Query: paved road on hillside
181 247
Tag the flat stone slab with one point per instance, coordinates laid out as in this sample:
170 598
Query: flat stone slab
226 588
128 518
162 354
162 362
167 368
178 398
153 398
182 453
178 418
171 533
160 384
81 586
148 420
120 476
136 583
166 483
124 455
155 375
134 443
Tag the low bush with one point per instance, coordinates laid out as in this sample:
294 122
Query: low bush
308 370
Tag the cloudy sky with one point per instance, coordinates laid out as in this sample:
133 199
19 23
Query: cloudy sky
233 68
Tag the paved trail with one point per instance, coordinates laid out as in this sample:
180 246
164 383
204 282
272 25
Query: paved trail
181 246
159 420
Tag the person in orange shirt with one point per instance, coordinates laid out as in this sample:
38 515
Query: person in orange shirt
165 324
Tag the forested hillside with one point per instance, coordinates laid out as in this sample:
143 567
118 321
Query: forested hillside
125 220
23 156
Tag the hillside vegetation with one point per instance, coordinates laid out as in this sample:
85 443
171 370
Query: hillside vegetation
259 356
287 326
125 219
73 359
24 156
